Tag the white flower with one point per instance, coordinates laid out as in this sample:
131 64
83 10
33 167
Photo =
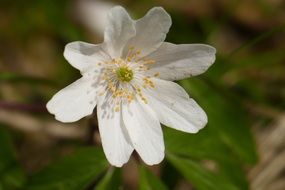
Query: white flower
129 77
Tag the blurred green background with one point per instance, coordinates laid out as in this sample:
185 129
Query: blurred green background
243 93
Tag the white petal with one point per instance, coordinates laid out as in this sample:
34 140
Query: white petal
175 62
74 101
115 140
174 108
151 30
120 29
145 131
84 56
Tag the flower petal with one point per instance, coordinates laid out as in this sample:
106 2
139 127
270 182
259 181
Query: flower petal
115 140
151 31
74 101
174 108
175 62
120 29
145 131
83 56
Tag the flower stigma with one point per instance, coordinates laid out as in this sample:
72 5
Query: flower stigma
124 74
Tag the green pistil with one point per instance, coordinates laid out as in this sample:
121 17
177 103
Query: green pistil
125 74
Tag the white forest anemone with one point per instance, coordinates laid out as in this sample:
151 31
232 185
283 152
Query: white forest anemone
128 77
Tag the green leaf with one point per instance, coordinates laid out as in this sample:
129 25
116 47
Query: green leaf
7 154
13 178
226 119
11 174
206 145
200 177
112 180
148 181
74 172
203 145
237 177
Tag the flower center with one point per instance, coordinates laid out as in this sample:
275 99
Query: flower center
124 74
118 72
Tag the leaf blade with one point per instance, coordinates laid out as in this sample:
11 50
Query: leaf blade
73 172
